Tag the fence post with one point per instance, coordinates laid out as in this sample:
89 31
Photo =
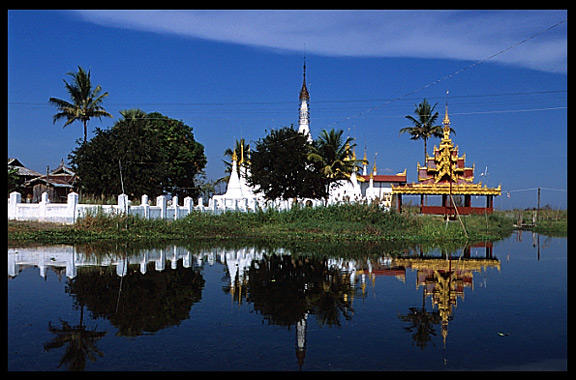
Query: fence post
175 204
161 201
15 199
145 206
42 206
188 205
72 202
123 203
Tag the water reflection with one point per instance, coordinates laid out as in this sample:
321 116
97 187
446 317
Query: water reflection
443 279
80 343
143 291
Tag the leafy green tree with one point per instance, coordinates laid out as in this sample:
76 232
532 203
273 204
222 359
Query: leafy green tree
183 155
281 169
424 127
142 153
86 101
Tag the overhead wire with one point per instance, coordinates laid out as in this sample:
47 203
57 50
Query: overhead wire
290 103
31 105
453 74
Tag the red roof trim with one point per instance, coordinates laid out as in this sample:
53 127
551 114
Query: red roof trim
386 178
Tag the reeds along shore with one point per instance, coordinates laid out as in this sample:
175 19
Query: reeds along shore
352 222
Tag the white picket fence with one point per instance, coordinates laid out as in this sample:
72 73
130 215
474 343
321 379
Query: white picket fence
71 210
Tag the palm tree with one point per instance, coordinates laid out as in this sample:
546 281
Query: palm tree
86 102
334 155
424 127
133 114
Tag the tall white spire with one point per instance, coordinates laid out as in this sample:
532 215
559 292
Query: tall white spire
304 119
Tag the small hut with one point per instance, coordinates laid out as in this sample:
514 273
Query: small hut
57 183
25 174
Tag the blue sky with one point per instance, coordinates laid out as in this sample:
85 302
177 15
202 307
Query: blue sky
233 74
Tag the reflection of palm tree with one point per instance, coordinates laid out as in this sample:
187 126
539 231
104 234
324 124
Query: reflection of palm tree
422 323
81 343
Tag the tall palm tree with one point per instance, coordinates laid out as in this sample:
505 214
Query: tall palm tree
86 101
333 153
424 127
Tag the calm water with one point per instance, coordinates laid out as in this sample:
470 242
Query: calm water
189 307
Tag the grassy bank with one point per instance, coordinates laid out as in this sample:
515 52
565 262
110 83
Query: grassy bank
343 222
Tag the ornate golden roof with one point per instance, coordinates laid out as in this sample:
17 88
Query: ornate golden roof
446 189
446 165
445 172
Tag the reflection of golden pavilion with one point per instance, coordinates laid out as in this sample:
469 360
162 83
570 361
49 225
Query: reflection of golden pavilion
445 174
444 280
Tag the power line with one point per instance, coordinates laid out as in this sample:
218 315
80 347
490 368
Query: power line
454 73
289 103
534 188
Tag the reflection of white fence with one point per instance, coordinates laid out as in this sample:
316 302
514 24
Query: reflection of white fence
71 210
70 259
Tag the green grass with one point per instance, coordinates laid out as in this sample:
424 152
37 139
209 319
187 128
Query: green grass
332 223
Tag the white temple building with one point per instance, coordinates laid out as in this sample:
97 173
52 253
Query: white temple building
238 195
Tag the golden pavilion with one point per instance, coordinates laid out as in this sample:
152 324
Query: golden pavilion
446 174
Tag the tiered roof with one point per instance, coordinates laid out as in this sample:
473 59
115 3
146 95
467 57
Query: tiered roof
445 172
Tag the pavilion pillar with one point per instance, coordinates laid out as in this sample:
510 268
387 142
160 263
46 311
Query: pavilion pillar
399 203
489 203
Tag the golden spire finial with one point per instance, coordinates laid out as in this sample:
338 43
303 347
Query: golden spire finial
446 120
234 156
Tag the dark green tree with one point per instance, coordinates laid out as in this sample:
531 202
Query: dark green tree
183 155
141 154
281 169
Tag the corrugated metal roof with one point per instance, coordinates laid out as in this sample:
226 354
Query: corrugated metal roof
22 170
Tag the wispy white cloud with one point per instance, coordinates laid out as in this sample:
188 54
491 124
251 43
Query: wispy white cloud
461 35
